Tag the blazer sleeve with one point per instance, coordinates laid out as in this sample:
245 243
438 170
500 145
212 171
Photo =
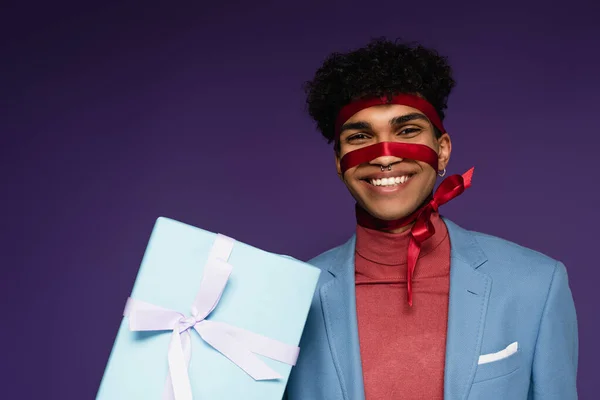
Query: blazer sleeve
554 371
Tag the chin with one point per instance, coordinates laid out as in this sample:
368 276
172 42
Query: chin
390 215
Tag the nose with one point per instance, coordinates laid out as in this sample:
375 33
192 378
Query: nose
385 160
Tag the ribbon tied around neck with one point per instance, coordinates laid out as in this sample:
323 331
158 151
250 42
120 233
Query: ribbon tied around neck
238 345
422 228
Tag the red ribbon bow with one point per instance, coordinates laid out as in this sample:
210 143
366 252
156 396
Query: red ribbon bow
423 229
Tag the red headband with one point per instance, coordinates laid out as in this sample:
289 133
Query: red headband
409 100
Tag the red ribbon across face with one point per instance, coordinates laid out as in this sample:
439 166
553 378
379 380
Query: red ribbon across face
410 151
450 187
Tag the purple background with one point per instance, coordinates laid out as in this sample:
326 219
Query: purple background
115 115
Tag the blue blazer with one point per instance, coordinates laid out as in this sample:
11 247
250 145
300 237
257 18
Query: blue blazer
500 293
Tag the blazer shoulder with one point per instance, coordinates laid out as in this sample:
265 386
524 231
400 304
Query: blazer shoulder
511 251
326 258
514 258
498 250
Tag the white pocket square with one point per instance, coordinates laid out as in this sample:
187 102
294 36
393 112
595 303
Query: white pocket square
507 352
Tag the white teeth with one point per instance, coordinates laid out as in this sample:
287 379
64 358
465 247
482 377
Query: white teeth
392 181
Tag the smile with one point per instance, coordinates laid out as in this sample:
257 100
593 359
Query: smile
390 181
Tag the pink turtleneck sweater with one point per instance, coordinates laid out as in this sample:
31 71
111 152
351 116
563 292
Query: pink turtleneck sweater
402 348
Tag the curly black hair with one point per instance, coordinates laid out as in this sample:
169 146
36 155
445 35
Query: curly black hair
381 68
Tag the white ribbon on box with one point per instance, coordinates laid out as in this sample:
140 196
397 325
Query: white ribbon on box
234 343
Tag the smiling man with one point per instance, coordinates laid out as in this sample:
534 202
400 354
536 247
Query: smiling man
414 306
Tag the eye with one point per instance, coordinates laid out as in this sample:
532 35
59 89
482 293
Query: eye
409 131
357 137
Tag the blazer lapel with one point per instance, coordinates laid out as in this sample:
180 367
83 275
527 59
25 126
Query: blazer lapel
469 294
339 311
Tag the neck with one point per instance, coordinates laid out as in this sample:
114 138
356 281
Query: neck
400 229
390 248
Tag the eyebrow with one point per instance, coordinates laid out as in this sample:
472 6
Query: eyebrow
407 118
359 125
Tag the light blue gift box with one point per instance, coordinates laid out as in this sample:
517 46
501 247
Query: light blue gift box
267 293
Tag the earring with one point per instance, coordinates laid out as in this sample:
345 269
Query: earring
442 173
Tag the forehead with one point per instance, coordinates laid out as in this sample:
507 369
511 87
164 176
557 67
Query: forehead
382 113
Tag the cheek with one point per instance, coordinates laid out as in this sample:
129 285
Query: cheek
428 139
426 169
348 177
427 184
427 176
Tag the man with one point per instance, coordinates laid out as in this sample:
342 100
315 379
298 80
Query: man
413 306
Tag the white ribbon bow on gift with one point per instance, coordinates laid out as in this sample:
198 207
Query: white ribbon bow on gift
234 343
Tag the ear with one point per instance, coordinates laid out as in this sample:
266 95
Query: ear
444 151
